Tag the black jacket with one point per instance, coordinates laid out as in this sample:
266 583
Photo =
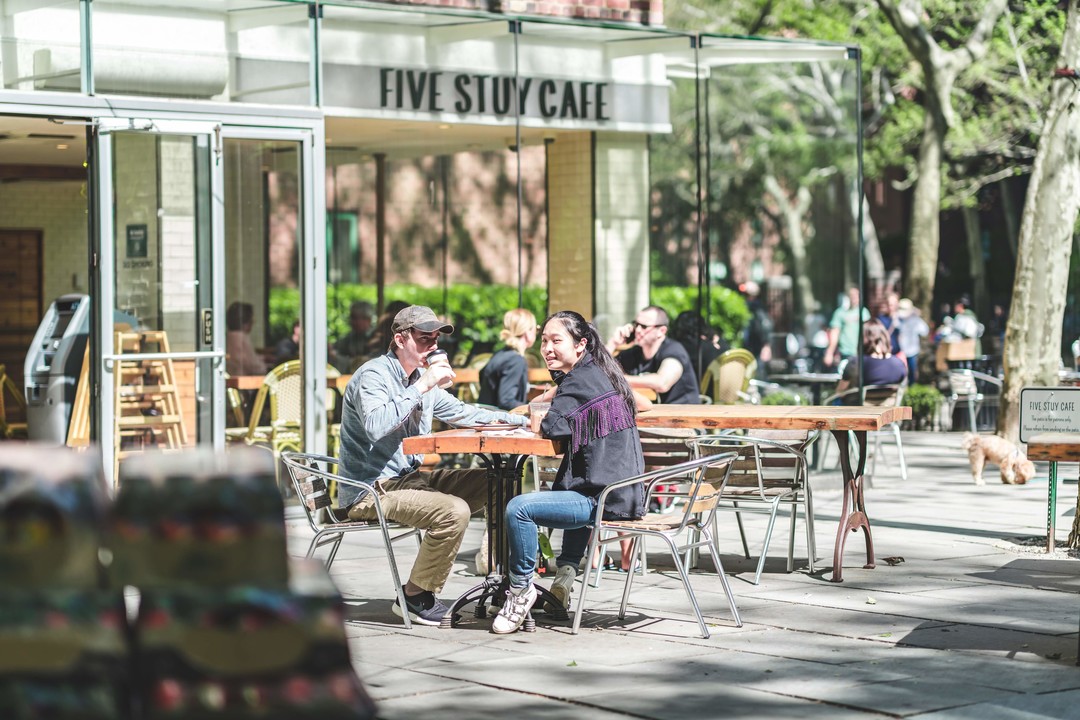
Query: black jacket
504 381
602 442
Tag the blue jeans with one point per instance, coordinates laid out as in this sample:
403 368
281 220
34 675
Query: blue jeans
563 509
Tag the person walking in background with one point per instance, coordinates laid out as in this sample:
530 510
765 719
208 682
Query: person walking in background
390 398
655 361
911 329
844 329
240 355
504 380
887 316
347 353
593 413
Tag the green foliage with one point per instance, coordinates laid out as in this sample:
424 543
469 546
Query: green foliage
780 397
925 403
727 311
476 311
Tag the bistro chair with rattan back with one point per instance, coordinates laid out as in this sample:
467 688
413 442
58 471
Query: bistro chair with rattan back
727 379
973 389
703 480
770 471
311 480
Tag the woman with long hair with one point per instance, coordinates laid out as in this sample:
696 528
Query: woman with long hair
593 413
504 380
880 366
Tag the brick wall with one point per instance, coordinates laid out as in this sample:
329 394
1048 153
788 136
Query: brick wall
638 12
59 210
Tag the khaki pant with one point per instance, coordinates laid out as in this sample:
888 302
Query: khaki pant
439 502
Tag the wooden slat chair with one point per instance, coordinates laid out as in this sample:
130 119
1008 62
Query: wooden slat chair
727 379
770 471
878 396
707 476
9 389
311 478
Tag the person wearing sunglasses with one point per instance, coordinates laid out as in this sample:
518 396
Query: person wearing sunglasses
654 360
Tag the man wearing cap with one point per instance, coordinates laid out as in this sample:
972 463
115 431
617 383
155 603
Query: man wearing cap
390 398
912 329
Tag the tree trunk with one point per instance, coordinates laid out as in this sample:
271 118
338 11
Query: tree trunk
925 211
793 214
1033 332
1008 209
972 232
874 263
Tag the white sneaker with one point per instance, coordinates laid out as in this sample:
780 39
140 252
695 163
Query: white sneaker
515 608
563 585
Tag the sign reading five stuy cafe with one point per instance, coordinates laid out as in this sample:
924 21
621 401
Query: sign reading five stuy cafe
436 91
471 96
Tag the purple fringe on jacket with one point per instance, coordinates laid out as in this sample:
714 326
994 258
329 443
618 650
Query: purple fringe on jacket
599 418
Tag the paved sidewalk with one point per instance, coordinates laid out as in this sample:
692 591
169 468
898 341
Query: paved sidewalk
972 623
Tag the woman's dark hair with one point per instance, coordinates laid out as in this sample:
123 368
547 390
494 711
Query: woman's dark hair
579 328
239 314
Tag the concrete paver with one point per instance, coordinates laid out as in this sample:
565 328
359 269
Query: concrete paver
972 624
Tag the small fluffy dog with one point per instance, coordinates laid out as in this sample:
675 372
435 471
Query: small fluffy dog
1016 469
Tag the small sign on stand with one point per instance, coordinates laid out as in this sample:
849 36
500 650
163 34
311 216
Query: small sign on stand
1050 425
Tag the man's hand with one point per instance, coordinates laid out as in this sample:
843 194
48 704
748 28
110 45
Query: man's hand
434 375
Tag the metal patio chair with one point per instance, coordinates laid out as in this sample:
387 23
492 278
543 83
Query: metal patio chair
771 470
704 478
311 479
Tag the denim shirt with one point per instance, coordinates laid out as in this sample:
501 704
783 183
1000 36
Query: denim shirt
382 406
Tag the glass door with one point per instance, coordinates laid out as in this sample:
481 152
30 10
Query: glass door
159 356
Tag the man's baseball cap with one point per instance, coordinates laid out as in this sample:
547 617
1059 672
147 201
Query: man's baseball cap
419 317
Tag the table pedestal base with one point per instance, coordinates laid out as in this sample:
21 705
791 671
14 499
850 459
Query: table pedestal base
505 472
853 512
492 590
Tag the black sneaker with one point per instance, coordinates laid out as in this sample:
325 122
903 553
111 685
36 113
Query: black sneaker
424 608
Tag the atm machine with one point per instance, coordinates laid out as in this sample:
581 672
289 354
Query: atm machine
53 366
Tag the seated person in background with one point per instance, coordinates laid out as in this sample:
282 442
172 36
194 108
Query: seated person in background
880 366
592 412
504 380
346 353
702 343
288 348
655 361
390 398
383 334
240 355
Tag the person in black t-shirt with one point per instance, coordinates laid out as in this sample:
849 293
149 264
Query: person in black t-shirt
655 361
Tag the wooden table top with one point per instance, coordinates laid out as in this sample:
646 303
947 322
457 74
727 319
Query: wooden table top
789 417
469 441
1056 447
254 382
778 417
472 375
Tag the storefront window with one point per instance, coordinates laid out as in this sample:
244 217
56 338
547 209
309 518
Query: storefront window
422 177
210 49
40 46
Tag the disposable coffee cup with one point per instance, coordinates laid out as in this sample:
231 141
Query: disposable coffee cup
537 411
438 356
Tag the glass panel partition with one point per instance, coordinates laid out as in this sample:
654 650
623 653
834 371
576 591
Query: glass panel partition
783 196
422 178
605 102
204 49
40 46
